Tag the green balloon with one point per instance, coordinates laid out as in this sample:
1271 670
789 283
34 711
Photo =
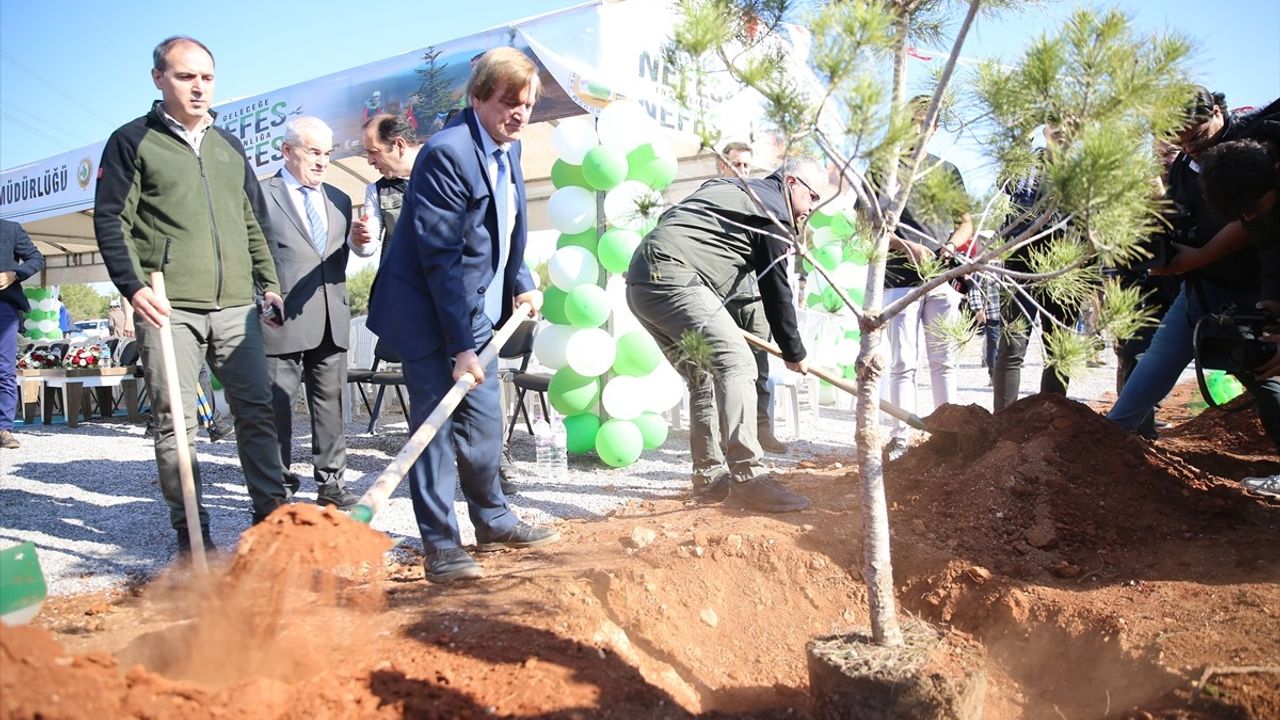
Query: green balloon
604 167
828 256
638 354
580 432
653 429
1223 388
850 372
619 443
857 295
815 300
553 305
617 245
571 393
842 225
653 168
587 306
585 239
856 252
819 220
831 301
565 175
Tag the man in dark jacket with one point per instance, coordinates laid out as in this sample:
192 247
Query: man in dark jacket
679 281
171 180
19 260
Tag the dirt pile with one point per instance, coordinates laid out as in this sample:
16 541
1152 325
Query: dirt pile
1101 574
1228 442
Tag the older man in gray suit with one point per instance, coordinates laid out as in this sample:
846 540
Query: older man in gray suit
308 223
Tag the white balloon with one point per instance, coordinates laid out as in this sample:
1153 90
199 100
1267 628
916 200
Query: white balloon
624 397
47 325
572 138
550 344
847 351
572 266
849 275
590 352
626 125
632 204
663 388
572 210
48 304
623 319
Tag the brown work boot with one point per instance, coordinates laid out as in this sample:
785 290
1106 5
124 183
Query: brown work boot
8 441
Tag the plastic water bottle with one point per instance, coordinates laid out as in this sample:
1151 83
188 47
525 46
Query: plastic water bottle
559 449
542 443
104 355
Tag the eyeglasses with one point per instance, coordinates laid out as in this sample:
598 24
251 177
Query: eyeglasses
813 196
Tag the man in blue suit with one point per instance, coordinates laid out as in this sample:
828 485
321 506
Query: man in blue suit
454 271
19 260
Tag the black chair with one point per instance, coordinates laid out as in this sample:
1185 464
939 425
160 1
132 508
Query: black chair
520 345
383 379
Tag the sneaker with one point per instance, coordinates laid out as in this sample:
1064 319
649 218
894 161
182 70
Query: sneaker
521 536
8 441
771 444
711 490
1269 485
450 565
337 496
764 494
896 448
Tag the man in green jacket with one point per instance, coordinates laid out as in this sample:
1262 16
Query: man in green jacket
682 277
171 183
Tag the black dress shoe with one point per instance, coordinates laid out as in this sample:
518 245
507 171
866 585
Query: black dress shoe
337 496
771 444
184 542
507 474
218 433
450 565
521 536
764 494
292 483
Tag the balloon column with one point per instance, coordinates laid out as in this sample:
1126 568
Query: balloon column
600 355
837 247
42 319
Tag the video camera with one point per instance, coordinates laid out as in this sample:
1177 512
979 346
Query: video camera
1230 340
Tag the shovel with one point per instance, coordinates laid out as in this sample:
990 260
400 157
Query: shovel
885 406
22 588
373 500
169 363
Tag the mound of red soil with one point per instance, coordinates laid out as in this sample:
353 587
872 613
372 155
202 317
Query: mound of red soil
1228 442
1049 489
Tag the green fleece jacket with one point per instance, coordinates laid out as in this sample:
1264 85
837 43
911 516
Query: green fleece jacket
154 189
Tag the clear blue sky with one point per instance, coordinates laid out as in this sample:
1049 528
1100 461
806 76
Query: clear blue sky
73 70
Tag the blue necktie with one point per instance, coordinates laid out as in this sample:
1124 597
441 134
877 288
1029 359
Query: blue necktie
501 188
319 236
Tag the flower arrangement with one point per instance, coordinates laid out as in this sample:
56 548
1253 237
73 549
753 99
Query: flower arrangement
85 356
38 359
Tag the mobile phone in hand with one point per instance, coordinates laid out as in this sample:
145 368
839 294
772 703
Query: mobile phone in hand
271 314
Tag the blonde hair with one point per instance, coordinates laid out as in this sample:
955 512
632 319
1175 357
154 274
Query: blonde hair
503 66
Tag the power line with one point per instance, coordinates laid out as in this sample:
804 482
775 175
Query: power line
45 123
31 128
52 86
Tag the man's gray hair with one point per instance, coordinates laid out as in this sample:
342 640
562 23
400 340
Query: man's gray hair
296 127
796 165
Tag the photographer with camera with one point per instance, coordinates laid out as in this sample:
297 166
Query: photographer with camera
1241 181
1219 270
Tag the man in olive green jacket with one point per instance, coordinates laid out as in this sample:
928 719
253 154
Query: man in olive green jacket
172 181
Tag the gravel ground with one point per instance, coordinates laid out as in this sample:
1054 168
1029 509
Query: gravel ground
88 496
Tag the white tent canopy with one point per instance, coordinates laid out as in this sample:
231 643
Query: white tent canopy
589 55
